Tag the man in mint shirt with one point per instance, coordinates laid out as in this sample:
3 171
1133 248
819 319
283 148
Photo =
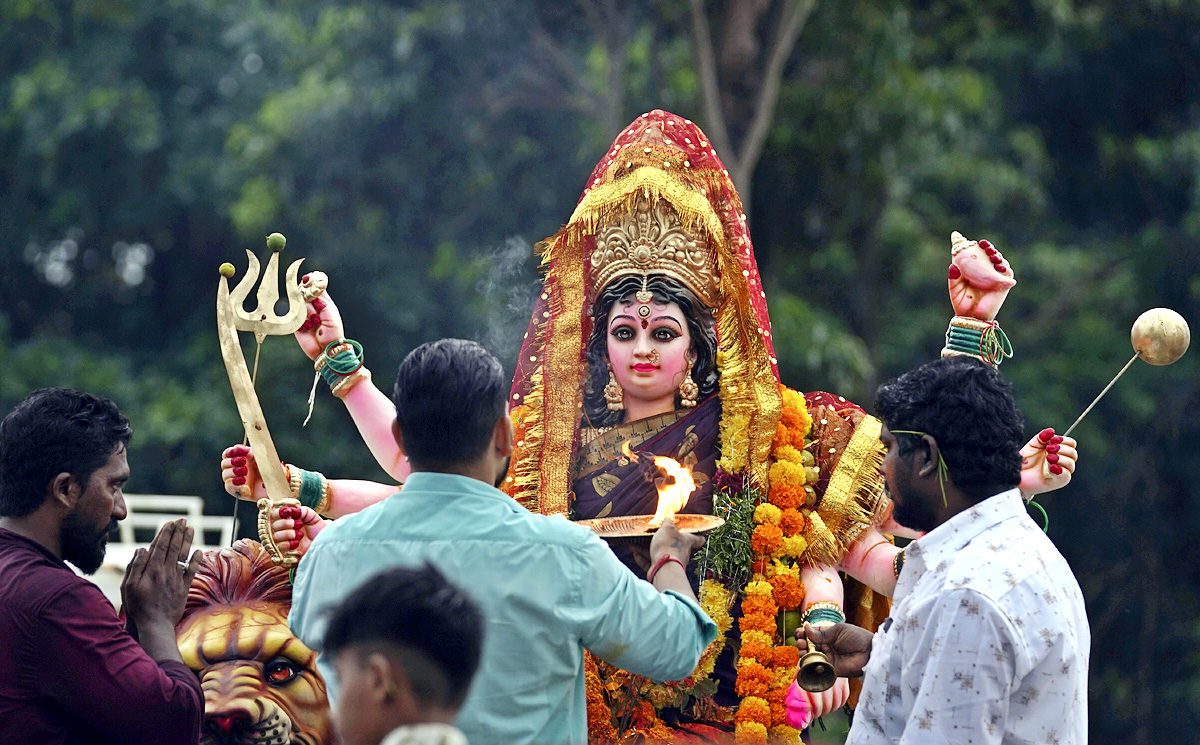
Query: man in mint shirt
547 588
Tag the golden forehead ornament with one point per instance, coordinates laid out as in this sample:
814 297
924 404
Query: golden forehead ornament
651 240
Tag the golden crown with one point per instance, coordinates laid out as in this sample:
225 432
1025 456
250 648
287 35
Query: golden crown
651 240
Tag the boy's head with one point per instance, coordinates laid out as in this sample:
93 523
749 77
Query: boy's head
405 646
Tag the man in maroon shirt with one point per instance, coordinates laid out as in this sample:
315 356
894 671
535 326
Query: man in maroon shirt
70 672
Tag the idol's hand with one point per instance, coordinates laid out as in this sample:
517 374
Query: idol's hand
979 279
239 471
295 528
799 707
1047 462
829 701
323 325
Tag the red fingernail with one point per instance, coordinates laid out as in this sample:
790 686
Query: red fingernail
238 481
295 525
304 279
1052 448
999 268
240 471
239 460
1055 469
316 319
1046 434
295 542
306 325
955 273
1052 458
319 304
996 259
1056 439
985 245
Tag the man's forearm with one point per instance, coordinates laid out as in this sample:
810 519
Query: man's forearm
672 576
158 639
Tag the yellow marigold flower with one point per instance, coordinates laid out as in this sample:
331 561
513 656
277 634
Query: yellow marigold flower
757 637
792 399
767 513
785 567
794 546
785 735
787 472
788 453
758 587
750 732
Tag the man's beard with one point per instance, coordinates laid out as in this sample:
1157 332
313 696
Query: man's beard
503 472
911 510
82 545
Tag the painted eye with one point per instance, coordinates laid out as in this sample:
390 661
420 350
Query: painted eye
280 671
622 333
665 334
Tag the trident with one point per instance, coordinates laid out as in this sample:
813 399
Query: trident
264 322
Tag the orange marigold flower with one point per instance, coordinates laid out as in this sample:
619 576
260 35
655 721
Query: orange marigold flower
753 709
752 680
758 604
791 419
782 436
785 496
788 591
757 622
791 521
766 539
786 657
764 653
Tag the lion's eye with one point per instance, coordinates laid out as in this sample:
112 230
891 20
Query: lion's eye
280 670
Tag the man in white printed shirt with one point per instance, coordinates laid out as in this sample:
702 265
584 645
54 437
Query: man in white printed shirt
988 640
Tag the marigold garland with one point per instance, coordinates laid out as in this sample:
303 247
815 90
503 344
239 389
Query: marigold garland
765 668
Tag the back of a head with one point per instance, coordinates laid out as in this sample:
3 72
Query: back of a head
416 614
53 431
448 396
969 409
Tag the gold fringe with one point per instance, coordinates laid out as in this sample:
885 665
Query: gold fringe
849 500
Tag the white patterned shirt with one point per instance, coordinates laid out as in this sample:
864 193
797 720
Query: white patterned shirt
988 640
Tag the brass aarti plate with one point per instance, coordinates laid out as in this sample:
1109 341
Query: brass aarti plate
636 528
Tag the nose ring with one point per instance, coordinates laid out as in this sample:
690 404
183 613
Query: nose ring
654 356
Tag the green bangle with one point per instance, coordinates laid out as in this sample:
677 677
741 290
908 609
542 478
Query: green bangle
347 361
310 488
818 615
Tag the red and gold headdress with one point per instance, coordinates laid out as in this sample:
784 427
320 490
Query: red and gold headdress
658 161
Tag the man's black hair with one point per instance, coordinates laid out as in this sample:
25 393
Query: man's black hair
448 396
55 430
969 409
431 625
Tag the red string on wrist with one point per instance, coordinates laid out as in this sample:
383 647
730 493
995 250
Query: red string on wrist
663 561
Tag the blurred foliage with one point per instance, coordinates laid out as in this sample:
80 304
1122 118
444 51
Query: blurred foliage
416 150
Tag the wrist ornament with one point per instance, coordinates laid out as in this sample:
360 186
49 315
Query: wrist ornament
983 340
663 561
341 365
823 613
311 488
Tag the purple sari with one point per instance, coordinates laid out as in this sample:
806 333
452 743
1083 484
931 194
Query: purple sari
608 484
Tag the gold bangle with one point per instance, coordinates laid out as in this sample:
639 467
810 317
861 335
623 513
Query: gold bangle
823 604
293 477
344 385
326 495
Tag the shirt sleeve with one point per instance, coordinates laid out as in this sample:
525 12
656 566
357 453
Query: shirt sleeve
960 670
99 674
624 621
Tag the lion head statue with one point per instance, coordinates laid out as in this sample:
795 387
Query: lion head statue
261 684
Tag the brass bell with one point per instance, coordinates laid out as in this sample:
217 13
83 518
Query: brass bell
816 671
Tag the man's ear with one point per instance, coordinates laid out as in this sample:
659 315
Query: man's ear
925 457
391 686
64 490
398 437
502 436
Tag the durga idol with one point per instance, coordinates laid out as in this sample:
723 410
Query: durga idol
652 332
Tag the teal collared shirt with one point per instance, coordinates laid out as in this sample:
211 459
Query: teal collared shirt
548 589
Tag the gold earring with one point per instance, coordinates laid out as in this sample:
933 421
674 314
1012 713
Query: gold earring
613 395
688 390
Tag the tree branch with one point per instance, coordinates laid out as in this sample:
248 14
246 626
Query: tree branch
710 89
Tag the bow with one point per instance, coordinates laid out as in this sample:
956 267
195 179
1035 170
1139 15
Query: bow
262 321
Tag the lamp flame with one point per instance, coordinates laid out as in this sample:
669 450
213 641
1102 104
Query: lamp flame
675 485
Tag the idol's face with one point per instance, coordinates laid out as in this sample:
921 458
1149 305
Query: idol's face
86 529
648 351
